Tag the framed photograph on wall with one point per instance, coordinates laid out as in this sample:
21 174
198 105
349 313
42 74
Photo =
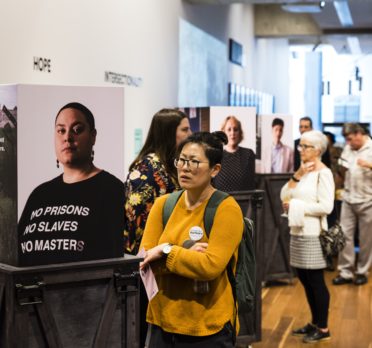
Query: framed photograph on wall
235 52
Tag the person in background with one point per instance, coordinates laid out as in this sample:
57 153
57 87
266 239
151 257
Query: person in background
279 157
356 210
79 214
334 155
180 314
152 174
308 197
238 163
306 124
338 174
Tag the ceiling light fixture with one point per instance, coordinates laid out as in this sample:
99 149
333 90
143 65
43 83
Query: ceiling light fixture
343 13
304 7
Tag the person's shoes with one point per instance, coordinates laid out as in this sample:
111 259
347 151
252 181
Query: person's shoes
307 329
317 336
341 280
360 279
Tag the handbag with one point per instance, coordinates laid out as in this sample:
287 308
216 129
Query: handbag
332 240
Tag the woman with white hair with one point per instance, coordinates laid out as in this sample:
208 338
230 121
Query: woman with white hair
308 198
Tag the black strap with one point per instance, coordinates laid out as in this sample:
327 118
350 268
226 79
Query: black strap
209 213
169 205
210 210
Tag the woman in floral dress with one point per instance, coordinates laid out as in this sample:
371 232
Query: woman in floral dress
152 174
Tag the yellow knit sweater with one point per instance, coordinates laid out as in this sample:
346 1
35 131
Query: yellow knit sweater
177 308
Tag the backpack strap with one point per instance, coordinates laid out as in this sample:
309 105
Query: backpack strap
169 205
210 210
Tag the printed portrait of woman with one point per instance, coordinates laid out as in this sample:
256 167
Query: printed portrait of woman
238 163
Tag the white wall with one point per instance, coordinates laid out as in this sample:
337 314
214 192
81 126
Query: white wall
224 22
365 65
241 28
271 73
84 38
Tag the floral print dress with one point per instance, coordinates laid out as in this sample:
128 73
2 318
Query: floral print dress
146 181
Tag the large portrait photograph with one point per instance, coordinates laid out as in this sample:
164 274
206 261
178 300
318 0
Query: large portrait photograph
37 110
219 116
276 150
238 162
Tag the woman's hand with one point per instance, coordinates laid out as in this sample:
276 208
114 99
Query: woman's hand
201 247
307 167
153 254
301 171
156 253
285 206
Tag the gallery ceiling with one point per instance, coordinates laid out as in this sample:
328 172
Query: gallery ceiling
345 24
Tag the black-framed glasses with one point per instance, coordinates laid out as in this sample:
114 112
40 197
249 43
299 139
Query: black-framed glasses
191 163
301 147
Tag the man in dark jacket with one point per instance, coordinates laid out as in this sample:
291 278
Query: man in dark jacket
306 124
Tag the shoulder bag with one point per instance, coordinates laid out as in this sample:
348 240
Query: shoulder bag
332 240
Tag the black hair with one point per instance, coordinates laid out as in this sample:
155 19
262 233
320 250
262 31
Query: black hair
161 139
211 142
83 109
307 118
331 136
277 122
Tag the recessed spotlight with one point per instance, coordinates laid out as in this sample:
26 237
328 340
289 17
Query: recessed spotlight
304 7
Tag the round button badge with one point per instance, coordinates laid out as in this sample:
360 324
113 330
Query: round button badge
196 233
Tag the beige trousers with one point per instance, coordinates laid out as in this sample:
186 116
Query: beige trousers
355 216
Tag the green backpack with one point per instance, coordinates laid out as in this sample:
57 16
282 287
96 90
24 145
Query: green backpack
243 284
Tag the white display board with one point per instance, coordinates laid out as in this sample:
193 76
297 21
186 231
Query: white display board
265 137
37 110
247 117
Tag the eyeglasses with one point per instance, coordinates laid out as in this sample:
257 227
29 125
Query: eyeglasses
191 163
301 147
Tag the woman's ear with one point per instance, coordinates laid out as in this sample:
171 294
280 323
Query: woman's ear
320 153
215 170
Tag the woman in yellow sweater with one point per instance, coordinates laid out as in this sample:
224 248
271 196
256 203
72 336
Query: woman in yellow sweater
180 314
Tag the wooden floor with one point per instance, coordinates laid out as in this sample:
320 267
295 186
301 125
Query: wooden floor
284 307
